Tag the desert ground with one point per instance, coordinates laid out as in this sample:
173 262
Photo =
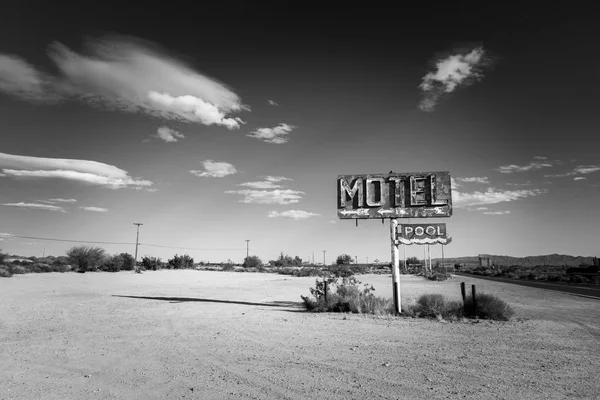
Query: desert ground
224 335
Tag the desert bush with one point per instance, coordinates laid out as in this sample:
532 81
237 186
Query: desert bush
435 306
488 307
340 271
252 262
39 268
128 262
5 272
18 270
346 296
152 263
228 267
112 263
180 262
578 279
309 271
86 258
438 276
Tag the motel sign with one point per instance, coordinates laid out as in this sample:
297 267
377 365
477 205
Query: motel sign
396 195
422 234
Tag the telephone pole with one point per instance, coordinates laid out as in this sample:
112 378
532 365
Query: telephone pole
137 238
247 251
324 251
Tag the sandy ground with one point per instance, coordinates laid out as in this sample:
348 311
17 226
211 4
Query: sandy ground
218 335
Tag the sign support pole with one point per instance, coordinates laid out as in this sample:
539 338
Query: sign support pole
395 266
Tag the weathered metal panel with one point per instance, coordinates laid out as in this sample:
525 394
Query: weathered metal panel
422 233
394 195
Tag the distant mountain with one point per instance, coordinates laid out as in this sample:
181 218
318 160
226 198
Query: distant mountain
529 261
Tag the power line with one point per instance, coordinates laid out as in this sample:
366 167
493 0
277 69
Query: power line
66 240
184 248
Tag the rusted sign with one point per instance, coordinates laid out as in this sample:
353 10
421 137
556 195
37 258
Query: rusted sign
395 195
422 234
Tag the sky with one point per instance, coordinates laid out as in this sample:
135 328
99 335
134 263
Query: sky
214 125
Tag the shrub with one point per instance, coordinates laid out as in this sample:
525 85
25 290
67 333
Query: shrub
152 263
128 262
435 306
488 307
343 259
252 262
40 267
437 276
346 296
340 271
308 271
228 267
5 272
112 263
18 270
86 258
181 262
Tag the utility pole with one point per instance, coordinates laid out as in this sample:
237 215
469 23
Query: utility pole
247 251
137 238
324 251
356 260
313 259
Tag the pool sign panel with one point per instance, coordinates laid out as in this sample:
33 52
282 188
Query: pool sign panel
422 234
395 195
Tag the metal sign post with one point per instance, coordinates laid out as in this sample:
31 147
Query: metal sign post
395 266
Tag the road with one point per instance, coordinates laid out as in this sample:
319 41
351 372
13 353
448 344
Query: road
579 290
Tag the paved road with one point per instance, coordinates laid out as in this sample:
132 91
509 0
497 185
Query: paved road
581 290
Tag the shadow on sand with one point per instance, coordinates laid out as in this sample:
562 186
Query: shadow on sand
287 304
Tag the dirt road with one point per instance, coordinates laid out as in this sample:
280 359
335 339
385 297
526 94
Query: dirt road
216 335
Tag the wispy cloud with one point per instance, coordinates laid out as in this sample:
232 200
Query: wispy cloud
63 200
169 135
94 209
35 206
292 214
481 208
532 166
451 72
491 196
540 158
83 171
527 183
273 103
269 182
579 170
127 74
215 169
277 196
276 135
474 179
496 212
332 221
579 178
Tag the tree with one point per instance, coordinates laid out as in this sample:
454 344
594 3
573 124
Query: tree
112 263
412 260
86 258
343 259
252 262
152 263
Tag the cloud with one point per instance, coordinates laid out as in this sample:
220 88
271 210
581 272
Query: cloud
63 200
276 135
481 208
474 179
277 196
273 103
540 158
215 169
491 196
292 214
169 135
126 74
94 209
579 170
20 79
83 171
579 178
527 183
497 212
532 166
35 206
270 182
450 73
332 221
6 234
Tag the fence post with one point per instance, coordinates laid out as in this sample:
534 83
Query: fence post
463 291
326 288
474 294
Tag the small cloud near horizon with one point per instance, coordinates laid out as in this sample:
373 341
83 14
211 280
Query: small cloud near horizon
277 196
579 170
496 212
292 214
94 209
276 135
169 135
35 206
215 169
273 103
